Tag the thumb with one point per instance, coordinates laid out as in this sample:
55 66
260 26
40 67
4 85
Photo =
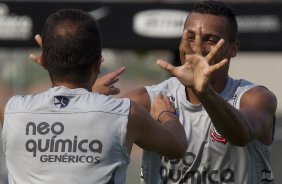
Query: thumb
38 40
113 90
165 65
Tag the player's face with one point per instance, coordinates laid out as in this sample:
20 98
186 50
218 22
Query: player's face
213 28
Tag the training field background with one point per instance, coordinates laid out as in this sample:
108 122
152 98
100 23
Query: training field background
19 75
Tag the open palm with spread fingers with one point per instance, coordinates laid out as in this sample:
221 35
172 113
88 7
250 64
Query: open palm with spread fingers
34 57
196 69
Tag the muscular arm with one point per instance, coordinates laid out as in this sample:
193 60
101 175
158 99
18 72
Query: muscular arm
254 119
140 96
167 138
2 115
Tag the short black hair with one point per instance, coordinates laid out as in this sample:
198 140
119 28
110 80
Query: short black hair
71 44
219 8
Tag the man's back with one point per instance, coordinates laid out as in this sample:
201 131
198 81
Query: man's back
66 136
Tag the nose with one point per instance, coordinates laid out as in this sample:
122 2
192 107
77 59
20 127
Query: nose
199 48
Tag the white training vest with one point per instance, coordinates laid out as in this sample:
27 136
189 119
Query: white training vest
210 158
66 136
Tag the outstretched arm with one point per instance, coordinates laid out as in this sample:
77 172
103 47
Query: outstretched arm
254 119
165 137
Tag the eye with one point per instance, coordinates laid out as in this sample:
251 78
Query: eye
212 40
191 38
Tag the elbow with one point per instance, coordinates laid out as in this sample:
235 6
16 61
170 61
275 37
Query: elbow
242 137
240 141
180 151
184 147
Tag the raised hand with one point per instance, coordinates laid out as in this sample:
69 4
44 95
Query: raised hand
196 69
162 108
34 57
105 84
184 47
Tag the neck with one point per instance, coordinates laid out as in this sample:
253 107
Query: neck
72 85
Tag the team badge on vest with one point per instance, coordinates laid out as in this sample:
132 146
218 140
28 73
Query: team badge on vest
217 136
61 101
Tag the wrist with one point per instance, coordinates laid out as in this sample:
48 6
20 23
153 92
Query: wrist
166 115
204 92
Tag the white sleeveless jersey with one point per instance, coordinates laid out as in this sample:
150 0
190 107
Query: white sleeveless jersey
65 136
210 158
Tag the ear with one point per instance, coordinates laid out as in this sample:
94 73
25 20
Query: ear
98 63
234 48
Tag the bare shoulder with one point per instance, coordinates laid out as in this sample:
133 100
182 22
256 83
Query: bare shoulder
260 104
260 96
2 110
139 92
138 114
140 96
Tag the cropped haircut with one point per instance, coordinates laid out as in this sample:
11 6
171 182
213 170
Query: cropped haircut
219 8
71 45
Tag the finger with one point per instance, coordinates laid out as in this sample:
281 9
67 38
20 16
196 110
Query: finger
218 65
186 43
113 90
35 58
214 51
198 41
184 46
38 40
165 65
118 72
113 77
111 81
182 51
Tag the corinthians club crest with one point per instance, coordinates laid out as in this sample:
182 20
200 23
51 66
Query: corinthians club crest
61 101
216 136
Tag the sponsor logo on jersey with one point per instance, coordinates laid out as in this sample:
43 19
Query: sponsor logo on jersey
233 100
215 136
173 101
61 101
266 176
44 143
179 171
172 98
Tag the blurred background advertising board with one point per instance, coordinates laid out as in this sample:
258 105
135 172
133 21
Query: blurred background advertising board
140 25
